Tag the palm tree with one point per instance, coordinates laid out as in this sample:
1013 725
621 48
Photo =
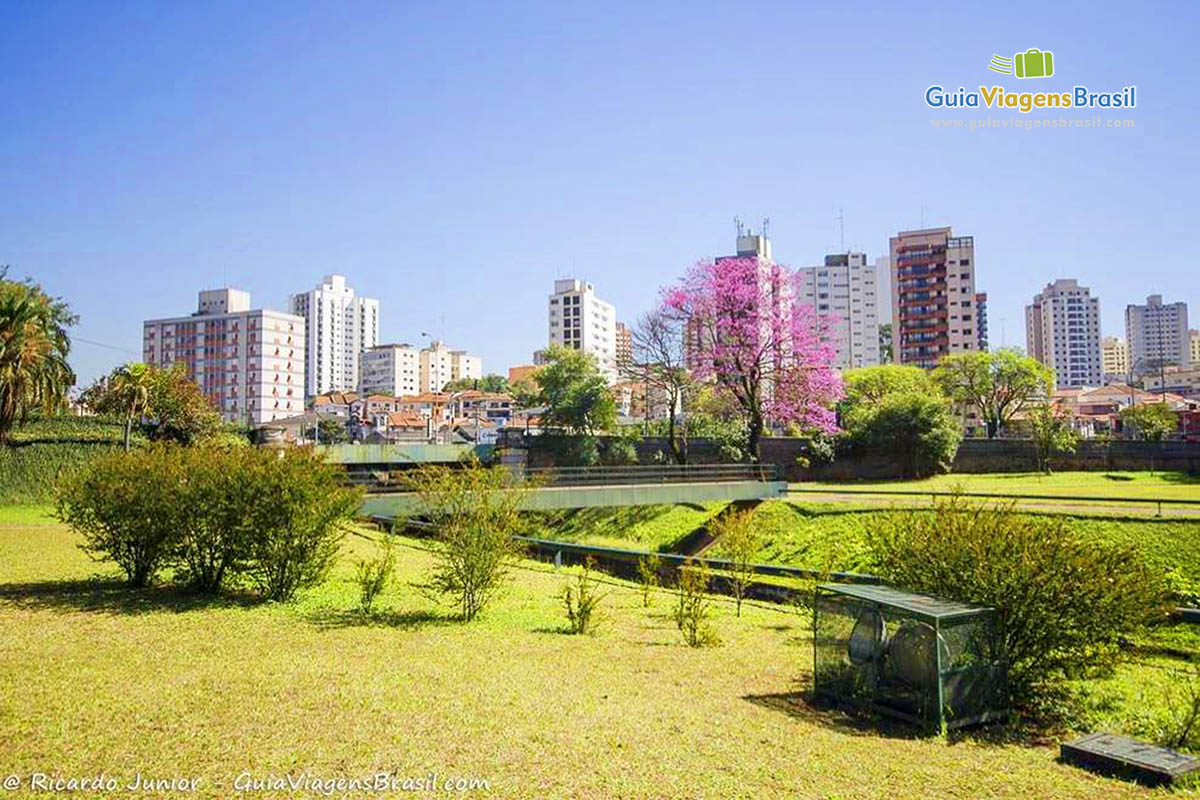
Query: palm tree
123 393
34 374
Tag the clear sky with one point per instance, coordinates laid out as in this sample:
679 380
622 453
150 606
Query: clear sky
453 159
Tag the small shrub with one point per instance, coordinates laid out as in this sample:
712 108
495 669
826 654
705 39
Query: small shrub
299 512
214 538
1064 601
475 512
1183 706
582 600
693 609
739 540
128 507
373 575
649 567
620 452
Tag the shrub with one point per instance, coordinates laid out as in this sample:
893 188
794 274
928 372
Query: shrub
648 569
919 428
739 540
693 608
475 512
129 508
215 533
373 576
1064 601
300 508
620 452
582 600
1183 705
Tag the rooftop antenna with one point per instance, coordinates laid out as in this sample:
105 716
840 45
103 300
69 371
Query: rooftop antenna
922 217
766 225
740 227
841 218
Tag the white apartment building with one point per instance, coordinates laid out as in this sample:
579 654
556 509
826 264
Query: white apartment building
340 327
440 365
582 321
401 370
1062 329
249 363
1114 359
1157 334
391 369
844 294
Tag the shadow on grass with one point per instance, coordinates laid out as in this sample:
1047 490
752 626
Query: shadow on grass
337 618
802 704
111 596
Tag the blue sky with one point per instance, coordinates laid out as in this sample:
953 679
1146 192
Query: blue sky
453 159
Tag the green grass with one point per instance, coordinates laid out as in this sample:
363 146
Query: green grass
1160 485
42 449
639 527
94 677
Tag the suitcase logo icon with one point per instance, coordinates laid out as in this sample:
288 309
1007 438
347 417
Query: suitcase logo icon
1033 63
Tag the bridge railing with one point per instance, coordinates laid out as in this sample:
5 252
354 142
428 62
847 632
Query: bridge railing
672 473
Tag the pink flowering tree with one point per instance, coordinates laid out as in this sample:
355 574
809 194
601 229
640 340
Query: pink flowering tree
760 348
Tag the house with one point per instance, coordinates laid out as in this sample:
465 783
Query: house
1097 410
336 404
436 406
373 408
494 406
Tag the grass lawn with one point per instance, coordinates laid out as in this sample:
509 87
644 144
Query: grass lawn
637 527
96 678
1160 485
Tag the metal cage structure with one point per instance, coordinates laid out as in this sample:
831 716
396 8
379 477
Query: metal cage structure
927 661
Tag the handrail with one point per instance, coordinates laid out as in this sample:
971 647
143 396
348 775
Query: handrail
994 496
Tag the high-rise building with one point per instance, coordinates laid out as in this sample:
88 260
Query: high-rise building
390 369
624 348
341 325
933 296
1062 329
440 365
580 320
981 317
401 370
843 293
1114 359
1158 335
249 363
1195 338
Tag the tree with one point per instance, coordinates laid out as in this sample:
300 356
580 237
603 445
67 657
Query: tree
998 385
885 343
34 374
738 540
868 385
125 392
332 430
575 392
488 383
1050 427
660 362
1152 422
767 352
917 427
475 512
167 403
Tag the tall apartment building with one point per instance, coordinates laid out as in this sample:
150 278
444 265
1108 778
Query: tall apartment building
249 363
580 320
1195 337
400 370
624 348
1158 334
933 296
981 318
1114 359
1062 330
440 365
844 294
340 325
390 369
